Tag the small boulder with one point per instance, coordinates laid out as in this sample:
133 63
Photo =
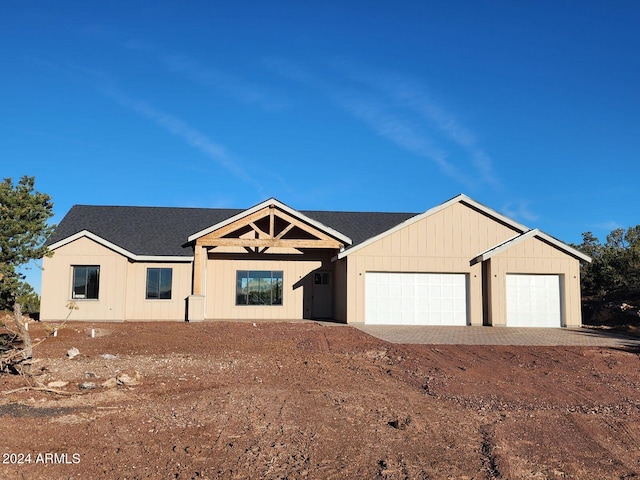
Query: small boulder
128 380
57 384
87 386
110 383
73 352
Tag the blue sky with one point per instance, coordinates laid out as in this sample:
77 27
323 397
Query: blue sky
532 108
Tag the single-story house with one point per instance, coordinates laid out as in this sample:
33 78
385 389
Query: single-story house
459 263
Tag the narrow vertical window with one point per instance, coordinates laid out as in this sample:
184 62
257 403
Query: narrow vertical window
159 283
86 282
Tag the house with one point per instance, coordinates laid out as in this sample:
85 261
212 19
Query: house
459 263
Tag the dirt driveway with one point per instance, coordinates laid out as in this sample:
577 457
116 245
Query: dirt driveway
305 400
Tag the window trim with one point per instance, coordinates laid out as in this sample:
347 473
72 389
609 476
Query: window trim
76 296
158 297
273 275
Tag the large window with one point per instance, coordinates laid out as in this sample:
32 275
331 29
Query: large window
258 287
159 283
86 282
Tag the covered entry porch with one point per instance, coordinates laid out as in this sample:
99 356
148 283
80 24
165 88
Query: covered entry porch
268 262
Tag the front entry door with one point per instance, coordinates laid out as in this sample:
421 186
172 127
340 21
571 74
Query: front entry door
322 296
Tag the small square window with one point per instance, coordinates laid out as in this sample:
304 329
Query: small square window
159 283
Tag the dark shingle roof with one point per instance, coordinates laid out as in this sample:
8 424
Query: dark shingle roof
359 226
163 231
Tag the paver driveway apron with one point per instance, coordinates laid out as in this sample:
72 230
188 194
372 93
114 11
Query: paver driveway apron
435 335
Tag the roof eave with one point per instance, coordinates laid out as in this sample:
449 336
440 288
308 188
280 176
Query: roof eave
118 249
493 251
461 198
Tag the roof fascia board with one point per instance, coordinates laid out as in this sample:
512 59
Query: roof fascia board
533 233
462 198
563 246
492 213
280 205
117 249
487 254
161 258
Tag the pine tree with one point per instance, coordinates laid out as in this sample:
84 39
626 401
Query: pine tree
24 213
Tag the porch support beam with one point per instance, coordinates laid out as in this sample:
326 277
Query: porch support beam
268 242
199 259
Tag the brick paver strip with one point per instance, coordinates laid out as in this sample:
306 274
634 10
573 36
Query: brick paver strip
436 335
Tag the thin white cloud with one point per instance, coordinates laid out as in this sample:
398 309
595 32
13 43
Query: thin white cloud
609 226
406 93
190 135
400 131
520 210
228 84
400 111
294 72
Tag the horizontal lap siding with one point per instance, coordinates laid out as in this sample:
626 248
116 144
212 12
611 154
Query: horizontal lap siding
445 242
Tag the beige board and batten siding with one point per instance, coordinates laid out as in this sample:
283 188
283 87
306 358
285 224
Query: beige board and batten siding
140 308
534 256
297 279
442 242
122 286
57 284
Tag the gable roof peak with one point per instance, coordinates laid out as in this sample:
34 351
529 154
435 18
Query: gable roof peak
487 254
460 198
272 202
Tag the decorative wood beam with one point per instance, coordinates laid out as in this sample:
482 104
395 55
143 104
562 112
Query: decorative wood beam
285 231
259 231
268 242
272 212
272 226
232 227
306 227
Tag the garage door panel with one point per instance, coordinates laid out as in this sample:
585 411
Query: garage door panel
408 318
423 299
533 300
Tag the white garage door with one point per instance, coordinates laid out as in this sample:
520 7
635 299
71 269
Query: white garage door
415 299
533 301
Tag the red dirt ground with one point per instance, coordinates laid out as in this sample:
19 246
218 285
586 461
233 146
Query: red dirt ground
304 400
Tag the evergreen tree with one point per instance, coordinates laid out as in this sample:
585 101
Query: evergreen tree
615 268
24 213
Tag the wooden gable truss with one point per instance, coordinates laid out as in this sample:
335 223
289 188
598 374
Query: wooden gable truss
267 228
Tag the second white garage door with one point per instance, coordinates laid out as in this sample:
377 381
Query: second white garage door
415 298
533 301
